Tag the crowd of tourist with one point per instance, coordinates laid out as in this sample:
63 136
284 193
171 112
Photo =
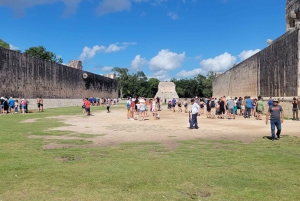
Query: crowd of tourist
93 101
13 106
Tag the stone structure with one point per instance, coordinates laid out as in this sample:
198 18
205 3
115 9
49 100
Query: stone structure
272 72
166 90
24 76
111 75
75 64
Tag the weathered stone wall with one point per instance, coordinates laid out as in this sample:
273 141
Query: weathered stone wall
24 76
272 72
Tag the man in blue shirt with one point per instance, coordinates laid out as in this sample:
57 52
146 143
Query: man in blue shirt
249 104
173 104
270 102
11 103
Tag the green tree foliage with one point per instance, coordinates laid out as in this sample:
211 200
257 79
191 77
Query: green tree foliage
42 53
137 84
4 44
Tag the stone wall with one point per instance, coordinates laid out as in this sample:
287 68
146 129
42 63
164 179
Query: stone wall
272 72
27 77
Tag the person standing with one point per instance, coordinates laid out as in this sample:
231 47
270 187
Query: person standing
295 109
173 104
108 104
11 103
195 110
259 108
87 105
128 107
230 104
249 104
277 115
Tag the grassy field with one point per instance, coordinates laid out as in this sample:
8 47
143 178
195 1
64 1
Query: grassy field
196 170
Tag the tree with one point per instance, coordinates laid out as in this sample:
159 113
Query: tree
4 44
122 77
42 53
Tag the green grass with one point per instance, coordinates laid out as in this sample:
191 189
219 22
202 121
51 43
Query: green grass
195 170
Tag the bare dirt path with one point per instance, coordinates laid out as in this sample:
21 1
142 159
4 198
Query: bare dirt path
114 128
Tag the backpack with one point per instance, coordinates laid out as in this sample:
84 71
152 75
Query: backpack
212 104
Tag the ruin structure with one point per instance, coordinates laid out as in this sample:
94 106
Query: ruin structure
272 72
166 90
27 77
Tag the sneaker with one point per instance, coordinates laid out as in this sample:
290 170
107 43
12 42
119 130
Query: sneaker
132 119
278 136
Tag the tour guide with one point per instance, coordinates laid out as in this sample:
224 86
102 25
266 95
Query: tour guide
277 116
195 110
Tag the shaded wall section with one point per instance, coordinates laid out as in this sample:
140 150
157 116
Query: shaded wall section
24 76
272 72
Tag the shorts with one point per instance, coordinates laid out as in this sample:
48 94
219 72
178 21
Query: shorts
213 111
222 110
138 110
259 112
173 105
230 110
238 108
208 109
242 107
142 110
88 110
39 105
23 107
1 106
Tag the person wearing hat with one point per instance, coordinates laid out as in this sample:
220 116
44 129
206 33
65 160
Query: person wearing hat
277 115
195 111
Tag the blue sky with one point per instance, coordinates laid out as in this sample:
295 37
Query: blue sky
164 38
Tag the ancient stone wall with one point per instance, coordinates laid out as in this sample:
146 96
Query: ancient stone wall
24 76
272 72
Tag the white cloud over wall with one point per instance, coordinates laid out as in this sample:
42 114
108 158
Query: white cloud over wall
219 64
247 53
191 73
166 60
12 47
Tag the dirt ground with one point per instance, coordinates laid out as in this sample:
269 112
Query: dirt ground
114 128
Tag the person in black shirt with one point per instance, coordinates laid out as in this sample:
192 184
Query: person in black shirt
295 109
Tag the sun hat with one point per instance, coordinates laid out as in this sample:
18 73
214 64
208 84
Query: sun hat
275 100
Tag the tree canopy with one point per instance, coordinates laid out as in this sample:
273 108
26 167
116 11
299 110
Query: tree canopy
42 53
4 44
137 84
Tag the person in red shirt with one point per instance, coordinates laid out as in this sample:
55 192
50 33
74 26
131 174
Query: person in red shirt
87 105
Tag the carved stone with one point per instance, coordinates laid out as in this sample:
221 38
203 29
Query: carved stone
166 90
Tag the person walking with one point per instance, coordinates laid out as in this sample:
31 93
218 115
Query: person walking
259 108
295 109
249 104
277 115
230 104
195 110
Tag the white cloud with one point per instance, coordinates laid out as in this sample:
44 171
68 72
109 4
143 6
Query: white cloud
113 6
138 62
198 57
247 53
19 6
191 73
220 63
166 60
161 75
88 53
173 16
107 68
13 47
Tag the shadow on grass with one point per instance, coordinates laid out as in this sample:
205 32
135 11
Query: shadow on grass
270 137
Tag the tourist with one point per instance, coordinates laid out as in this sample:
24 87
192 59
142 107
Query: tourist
235 107
230 105
173 104
158 101
169 104
128 107
277 116
213 108
23 103
1 105
185 103
40 104
83 107
253 110
16 109
259 108
222 108
146 107
132 109
270 102
179 105
201 106
87 104
142 109
243 106
249 104
238 106
11 103
208 108
108 104
138 109
195 111
295 109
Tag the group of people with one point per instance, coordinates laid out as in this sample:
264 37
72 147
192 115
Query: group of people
137 108
88 102
13 106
